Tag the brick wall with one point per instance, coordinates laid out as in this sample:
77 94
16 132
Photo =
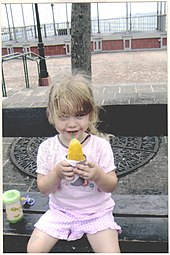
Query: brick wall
51 50
164 42
18 49
112 45
55 50
4 51
107 45
146 43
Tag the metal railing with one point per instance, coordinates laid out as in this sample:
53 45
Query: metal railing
29 33
133 24
24 56
105 26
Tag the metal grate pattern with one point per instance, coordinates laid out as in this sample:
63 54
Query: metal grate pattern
130 153
133 152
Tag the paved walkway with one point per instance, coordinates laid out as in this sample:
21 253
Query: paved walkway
118 78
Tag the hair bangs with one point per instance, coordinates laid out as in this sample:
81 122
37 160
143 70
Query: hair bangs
72 105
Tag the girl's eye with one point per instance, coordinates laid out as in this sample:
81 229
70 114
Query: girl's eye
80 115
63 117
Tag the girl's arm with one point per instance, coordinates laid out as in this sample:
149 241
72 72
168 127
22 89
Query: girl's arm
106 182
50 183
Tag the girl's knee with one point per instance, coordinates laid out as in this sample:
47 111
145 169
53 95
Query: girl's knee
40 242
105 241
31 248
37 247
33 245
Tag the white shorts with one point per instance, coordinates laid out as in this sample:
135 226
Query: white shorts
70 225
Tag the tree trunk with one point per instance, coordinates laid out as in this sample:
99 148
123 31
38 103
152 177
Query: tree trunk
81 38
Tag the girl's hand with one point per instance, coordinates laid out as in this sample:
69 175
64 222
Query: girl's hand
89 171
106 182
65 170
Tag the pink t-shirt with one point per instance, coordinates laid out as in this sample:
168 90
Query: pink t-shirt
88 199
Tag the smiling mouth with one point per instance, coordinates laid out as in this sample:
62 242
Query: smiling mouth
73 133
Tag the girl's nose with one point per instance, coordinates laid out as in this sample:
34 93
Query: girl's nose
71 121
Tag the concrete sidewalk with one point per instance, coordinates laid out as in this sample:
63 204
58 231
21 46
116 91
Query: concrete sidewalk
117 78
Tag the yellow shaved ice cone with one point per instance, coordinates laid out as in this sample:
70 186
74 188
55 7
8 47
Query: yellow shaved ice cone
75 151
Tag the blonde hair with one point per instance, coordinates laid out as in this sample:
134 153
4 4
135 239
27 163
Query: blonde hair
72 96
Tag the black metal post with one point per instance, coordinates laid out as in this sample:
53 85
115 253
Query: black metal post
130 16
68 29
13 23
4 92
10 36
98 22
52 8
43 69
24 58
34 21
25 32
127 15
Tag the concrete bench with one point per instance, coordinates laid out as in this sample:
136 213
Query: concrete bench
143 218
126 120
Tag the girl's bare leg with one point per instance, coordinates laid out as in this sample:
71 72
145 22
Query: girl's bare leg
40 242
105 241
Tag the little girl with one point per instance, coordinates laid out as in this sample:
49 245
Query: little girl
79 209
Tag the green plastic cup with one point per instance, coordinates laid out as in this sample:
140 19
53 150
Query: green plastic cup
11 199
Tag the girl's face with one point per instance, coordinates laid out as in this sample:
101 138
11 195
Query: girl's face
67 125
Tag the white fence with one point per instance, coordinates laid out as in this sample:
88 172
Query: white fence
105 26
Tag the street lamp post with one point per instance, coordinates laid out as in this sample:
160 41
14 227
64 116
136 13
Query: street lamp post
34 21
98 22
25 32
43 74
52 7
10 36
68 30
127 14
130 16
13 23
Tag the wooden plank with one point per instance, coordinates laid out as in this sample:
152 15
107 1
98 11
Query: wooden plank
132 205
144 205
41 202
133 228
141 217
143 228
21 228
18 245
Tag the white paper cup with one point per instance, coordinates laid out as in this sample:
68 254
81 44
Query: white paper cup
76 176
